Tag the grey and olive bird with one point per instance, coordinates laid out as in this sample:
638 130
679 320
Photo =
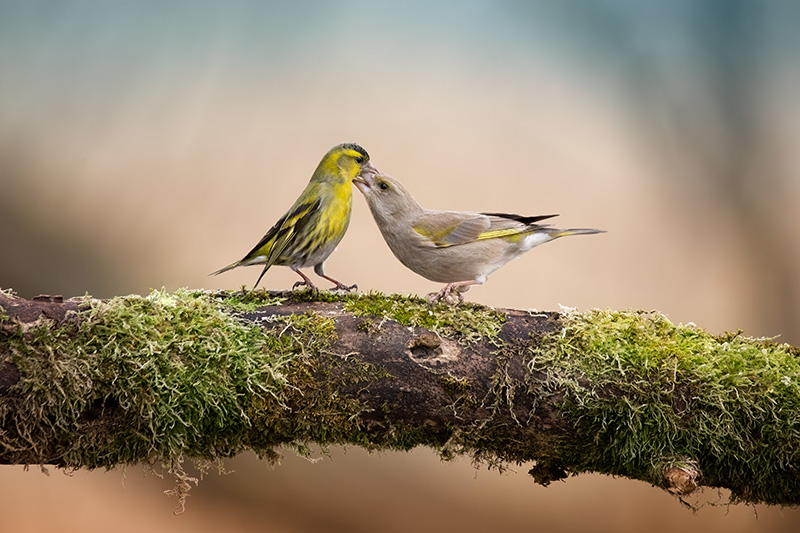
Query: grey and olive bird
458 248
312 228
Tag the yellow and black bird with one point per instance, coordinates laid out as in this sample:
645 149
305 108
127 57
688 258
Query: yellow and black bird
312 228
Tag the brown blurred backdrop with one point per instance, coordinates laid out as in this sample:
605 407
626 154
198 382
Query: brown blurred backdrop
144 145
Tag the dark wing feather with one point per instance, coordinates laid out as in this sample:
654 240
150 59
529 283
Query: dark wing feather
281 234
519 218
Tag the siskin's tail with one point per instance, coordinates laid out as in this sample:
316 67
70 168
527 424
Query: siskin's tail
225 269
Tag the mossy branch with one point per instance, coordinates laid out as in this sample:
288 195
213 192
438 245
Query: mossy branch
159 379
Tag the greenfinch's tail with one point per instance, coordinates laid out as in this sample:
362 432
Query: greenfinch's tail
577 231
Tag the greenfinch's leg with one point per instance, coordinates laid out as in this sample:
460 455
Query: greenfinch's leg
451 291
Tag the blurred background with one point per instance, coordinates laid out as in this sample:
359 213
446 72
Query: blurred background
146 144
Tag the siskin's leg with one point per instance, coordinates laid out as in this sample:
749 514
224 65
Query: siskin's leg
319 270
306 281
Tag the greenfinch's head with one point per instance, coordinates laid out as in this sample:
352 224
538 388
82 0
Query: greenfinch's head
343 163
386 196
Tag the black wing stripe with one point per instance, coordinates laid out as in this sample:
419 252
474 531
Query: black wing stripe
280 228
519 218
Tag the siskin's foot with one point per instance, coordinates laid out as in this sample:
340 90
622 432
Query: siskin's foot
345 288
338 285
307 283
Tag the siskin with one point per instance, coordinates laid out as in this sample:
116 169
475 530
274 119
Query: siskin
312 228
454 247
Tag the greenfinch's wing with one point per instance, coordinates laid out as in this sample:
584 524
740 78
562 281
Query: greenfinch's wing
274 242
508 225
519 218
449 228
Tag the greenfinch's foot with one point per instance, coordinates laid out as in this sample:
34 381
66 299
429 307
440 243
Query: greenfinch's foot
452 293
454 297
447 294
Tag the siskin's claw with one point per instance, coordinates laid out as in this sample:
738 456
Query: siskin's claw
313 288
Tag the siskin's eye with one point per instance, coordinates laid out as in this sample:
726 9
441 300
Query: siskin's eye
384 185
359 160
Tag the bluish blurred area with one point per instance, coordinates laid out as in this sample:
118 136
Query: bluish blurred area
146 144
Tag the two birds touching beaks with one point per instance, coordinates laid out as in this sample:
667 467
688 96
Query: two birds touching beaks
458 248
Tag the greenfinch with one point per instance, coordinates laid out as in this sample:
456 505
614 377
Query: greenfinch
312 228
454 247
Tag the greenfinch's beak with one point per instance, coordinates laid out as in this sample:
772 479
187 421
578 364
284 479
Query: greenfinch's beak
362 184
369 169
366 179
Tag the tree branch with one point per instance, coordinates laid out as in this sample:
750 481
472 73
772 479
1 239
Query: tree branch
159 379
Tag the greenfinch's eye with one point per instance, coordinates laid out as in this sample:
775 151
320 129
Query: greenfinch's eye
384 185
359 160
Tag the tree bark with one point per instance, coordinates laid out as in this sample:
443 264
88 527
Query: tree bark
163 378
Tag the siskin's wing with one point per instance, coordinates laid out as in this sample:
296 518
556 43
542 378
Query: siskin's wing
276 240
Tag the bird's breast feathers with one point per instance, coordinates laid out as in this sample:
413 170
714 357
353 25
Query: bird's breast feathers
336 216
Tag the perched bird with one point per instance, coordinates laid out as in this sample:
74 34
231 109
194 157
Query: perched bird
312 228
454 247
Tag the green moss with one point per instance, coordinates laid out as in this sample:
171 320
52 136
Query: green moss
9 293
455 386
460 390
247 300
307 295
651 394
162 378
470 321
366 326
319 413
172 369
